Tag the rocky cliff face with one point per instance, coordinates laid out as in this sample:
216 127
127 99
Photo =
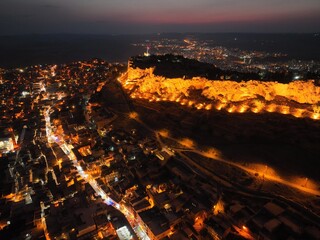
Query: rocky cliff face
137 73
299 98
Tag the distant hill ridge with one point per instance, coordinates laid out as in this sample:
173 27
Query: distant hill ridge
176 66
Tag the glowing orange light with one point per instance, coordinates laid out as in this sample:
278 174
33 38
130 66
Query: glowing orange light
199 106
298 113
231 109
172 99
315 116
243 109
255 110
284 109
220 106
208 107
271 108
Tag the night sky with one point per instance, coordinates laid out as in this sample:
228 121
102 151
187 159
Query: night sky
150 16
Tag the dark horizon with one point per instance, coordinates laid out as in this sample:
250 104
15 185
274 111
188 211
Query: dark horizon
159 33
33 49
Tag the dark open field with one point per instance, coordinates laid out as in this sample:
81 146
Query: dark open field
286 143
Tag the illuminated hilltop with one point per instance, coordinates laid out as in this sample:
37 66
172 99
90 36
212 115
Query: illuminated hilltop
202 86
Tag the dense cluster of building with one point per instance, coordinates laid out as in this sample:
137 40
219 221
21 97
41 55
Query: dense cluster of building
77 172
235 59
28 162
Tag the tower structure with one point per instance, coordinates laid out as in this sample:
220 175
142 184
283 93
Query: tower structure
147 54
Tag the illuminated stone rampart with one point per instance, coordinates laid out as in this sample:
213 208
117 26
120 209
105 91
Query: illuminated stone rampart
298 98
